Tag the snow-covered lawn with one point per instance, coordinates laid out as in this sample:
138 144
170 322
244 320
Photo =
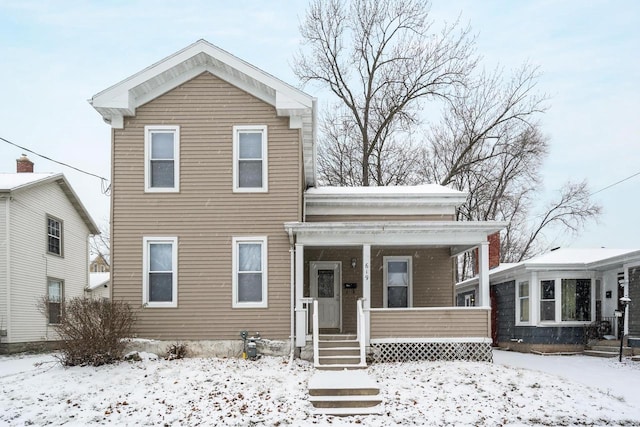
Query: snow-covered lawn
35 390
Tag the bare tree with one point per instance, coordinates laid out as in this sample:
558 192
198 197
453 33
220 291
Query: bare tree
381 58
489 145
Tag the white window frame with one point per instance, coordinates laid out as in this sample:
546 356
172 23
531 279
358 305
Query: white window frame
385 295
236 160
60 237
60 302
556 296
147 242
236 242
519 321
148 131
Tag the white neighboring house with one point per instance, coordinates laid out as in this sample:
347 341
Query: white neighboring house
99 284
44 253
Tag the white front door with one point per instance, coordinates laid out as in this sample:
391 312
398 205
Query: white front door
325 287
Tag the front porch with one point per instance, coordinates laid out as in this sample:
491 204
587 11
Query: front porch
392 286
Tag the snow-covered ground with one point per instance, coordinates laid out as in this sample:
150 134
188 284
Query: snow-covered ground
516 389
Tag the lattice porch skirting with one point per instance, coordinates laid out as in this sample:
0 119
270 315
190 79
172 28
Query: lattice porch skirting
411 351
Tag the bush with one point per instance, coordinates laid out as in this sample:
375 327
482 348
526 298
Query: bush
94 331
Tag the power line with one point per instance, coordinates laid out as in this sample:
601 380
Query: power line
52 160
615 183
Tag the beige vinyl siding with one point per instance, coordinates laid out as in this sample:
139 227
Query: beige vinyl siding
205 214
4 257
364 218
430 323
31 265
432 276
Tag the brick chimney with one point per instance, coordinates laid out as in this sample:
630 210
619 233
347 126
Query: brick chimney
24 165
494 253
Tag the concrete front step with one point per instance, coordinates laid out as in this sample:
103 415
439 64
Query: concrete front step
341 367
342 412
339 360
344 393
627 351
600 353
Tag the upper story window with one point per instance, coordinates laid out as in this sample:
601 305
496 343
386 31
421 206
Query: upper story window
397 282
160 276
249 261
162 158
54 236
250 159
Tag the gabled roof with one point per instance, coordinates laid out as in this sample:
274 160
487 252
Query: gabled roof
122 99
12 182
565 259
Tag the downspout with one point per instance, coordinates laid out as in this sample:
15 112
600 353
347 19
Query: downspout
292 296
7 212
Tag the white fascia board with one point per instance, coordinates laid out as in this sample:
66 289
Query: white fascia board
435 233
461 340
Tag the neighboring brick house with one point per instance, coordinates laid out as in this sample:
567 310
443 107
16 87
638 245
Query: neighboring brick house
44 253
218 224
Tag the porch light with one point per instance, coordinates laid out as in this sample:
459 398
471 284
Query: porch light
353 262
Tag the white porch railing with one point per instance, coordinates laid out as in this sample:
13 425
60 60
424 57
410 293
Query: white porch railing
361 331
316 334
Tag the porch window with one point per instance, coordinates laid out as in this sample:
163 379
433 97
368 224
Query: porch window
523 302
250 159
162 160
548 300
576 300
250 273
397 282
160 279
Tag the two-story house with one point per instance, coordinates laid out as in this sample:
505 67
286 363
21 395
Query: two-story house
218 224
44 254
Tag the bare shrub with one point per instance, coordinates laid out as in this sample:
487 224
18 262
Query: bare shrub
93 331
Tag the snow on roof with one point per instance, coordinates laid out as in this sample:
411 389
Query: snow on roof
383 190
13 181
577 256
98 279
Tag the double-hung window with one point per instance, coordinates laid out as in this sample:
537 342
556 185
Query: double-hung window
249 261
548 300
162 158
523 302
54 300
54 236
250 159
397 282
160 276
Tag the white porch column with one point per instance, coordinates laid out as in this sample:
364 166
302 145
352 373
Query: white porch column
301 313
366 289
483 264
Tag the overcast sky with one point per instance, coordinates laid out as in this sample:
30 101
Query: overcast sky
54 55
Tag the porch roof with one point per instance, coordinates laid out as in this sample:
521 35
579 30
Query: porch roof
459 235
